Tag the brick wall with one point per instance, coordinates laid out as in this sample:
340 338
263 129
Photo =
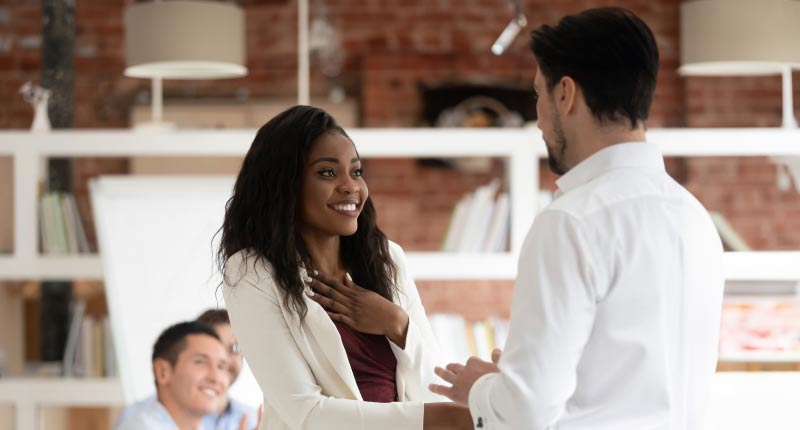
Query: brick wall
392 47
744 189
20 42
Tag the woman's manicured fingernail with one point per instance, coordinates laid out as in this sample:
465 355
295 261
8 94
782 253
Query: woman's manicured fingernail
347 275
310 293
307 279
316 273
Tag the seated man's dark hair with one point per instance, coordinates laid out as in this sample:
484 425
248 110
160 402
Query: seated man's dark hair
172 341
612 56
213 317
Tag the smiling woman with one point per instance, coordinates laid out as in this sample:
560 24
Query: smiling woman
333 190
327 316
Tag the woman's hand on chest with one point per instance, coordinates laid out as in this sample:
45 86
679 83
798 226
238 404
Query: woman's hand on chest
363 310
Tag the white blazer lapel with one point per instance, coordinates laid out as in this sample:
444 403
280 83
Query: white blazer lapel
323 331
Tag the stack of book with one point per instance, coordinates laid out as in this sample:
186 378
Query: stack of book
60 225
480 222
89 352
460 339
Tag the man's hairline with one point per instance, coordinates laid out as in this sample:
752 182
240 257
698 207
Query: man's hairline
184 341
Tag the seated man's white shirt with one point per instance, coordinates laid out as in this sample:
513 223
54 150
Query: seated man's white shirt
148 414
151 410
616 311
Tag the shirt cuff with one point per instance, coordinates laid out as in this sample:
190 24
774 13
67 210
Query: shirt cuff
405 357
479 402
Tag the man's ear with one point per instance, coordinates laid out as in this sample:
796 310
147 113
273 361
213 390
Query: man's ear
162 371
566 93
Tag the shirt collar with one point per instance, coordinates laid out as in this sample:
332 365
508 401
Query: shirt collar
620 155
161 417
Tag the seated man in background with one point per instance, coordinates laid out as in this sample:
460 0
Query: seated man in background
230 414
191 370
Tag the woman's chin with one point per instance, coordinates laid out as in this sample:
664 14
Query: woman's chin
349 231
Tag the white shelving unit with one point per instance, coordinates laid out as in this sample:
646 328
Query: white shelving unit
522 148
30 394
516 146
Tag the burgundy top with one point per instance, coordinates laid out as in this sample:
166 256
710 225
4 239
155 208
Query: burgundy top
373 363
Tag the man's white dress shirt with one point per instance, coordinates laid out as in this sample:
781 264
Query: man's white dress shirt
616 310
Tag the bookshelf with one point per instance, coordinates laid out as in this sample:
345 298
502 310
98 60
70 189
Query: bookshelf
522 149
28 150
28 395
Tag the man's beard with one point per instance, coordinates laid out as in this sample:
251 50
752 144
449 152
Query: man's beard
555 156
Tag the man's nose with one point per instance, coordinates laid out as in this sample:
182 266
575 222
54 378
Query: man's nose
220 375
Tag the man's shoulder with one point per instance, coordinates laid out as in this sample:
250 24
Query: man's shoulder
147 414
617 189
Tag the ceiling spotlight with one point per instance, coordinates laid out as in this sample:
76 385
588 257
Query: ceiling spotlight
518 22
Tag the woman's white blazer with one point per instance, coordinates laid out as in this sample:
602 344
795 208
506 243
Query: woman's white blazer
303 368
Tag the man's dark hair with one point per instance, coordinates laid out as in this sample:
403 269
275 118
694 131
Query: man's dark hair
172 341
214 317
610 53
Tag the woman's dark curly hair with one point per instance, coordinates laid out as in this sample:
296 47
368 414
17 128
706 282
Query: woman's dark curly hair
262 216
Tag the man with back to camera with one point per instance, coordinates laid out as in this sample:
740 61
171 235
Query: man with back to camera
230 413
616 311
190 367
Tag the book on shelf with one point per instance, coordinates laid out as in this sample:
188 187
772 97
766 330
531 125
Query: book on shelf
61 225
76 234
480 221
483 344
456 226
460 339
109 357
478 217
89 351
731 240
71 349
451 332
496 239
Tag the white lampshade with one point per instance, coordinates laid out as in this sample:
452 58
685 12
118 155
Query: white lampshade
183 39
739 37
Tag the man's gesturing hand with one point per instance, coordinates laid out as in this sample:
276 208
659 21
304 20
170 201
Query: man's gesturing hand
462 378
